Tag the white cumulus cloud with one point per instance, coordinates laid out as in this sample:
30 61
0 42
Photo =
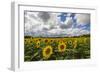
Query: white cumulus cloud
82 19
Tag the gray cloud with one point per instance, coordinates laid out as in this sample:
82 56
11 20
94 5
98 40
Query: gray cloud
32 16
45 16
45 29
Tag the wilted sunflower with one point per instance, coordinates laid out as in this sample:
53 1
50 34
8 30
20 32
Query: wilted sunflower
47 51
61 47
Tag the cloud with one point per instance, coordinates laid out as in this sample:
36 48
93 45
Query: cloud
77 31
67 24
46 24
45 16
82 19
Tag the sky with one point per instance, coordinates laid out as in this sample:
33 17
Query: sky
56 24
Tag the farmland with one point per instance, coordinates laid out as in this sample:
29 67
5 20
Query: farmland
66 48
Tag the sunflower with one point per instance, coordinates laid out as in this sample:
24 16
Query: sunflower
47 51
28 41
39 39
61 40
25 41
38 44
75 43
52 40
70 42
47 41
61 47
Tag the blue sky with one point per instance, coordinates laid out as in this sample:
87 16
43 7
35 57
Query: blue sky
49 24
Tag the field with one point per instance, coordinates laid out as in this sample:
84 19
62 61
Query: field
69 48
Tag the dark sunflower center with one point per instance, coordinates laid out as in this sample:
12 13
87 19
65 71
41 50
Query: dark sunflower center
46 40
38 43
39 39
48 51
62 46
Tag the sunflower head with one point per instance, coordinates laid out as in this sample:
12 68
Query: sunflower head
61 47
51 41
47 51
25 41
47 41
38 44
70 42
60 42
29 41
75 43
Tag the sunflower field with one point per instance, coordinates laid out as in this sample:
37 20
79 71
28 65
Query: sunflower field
43 49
